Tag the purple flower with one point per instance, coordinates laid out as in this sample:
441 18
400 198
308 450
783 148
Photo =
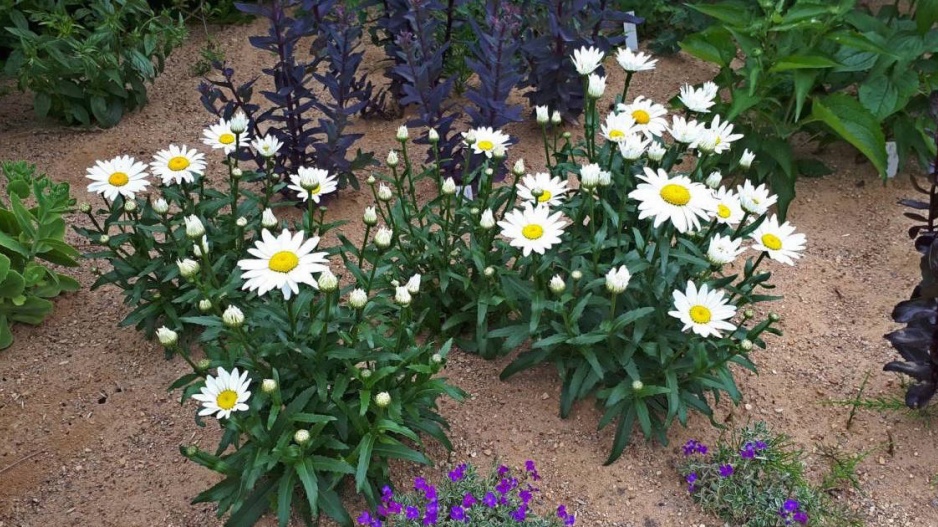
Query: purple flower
568 519
364 518
394 507
458 473
690 447
386 493
790 506
525 496
502 470
411 512
457 513
489 500
532 470
520 513
431 516
691 479
420 484
726 470
748 451
801 517
505 485
760 445
702 450
469 500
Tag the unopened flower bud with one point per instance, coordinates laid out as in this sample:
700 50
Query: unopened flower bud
714 179
596 85
541 114
194 227
433 136
537 192
384 192
191 451
605 178
392 159
366 373
84 207
358 298
236 172
487 221
370 218
489 171
241 222
204 365
518 168
747 314
576 275
557 285
489 271
205 305
188 268
383 237
197 251
268 386
232 317
566 135
413 285
402 296
637 386
449 186
469 137
774 317
656 151
746 160
499 153
268 220
167 337
160 206
617 279
436 358
555 118
383 399
402 133
371 180
238 123
328 282
301 436
745 344
104 239
130 205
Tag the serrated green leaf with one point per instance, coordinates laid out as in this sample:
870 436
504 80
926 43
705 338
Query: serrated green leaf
854 124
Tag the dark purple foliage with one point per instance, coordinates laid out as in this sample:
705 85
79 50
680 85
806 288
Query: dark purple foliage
495 60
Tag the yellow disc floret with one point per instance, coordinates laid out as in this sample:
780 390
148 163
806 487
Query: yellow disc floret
118 179
178 163
771 242
532 231
284 262
675 194
641 117
700 314
226 139
227 399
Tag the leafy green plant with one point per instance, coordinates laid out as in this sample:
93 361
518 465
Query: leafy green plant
32 229
316 387
211 53
666 22
88 62
757 478
822 71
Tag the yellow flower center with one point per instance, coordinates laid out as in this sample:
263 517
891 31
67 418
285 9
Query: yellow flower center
641 116
616 134
226 139
227 399
316 189
486 145
675 194
771 242
718 140
532 231
118 179
178 163
283 262
545 196
700 314
723 211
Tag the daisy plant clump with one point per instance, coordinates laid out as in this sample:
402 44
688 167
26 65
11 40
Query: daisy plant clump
311 368
505 497
757 477
640 255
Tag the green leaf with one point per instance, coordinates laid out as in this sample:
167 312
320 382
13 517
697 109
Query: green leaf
284 497
715 44
253 507
6 336
854 124
42 103
364 460
24 219
4 267
926 15
310 484
12 285
732 13
800 62
623 434
804 82
879 95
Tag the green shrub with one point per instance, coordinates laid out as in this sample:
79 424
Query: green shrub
32 229
88 62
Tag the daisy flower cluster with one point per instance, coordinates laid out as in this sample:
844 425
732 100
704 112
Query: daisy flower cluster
465 498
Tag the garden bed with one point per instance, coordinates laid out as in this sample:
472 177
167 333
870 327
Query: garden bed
91 437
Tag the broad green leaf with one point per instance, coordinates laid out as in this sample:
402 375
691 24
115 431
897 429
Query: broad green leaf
854 124
307 475
732 13
799 62
926 15
879 95
715 44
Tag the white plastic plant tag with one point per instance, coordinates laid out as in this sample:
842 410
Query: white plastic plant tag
631 34
466 192
892 159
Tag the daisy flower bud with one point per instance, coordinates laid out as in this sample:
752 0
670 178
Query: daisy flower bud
489 171
499 153
268 386
188 268
542 115
557 285
365 373
746 160
84 207
566 135
392 159
487 221
232 317
358 298
160 206
267 146
774 317
371 180
518 168
656 151
191 451
197 251
637 386
745 344
383 399
469 137
384 192
130 206
238 123
555 117
714 179
433 136
402 133
205 305
103 239
370 217
605 178
576 275
203 365
268 220
236 172
596 85
402 297
167 337
436 358
383 237
589 176
241 221
327 282
617 280
413 285
449 186
301 436
489 271
747 314
194 227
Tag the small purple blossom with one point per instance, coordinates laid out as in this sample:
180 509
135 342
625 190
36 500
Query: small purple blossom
525 496
489 500
568 519
532 470
691 479
748 451
469 500
791 511
801 517
457 513
502 470
458 473
695 447
411 512
420 484
726 470
364 518
790 506
520 513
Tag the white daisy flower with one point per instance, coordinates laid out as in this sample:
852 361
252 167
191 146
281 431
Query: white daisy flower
727 208
226 393
586 60
703 311
745 161
596 85
617 279
781 242
684 131
487 141
313 183
267 146
722 134
698 99
724 249
532 228
590 175
122 175
649 116
552 189
618 126
177 164
755 200
634 62
220 137
282 262
677 199
656 151
633 146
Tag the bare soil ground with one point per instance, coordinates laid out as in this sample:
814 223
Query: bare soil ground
89 435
